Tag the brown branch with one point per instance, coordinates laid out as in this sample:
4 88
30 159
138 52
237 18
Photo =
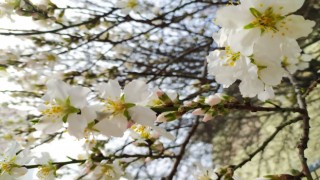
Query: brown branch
303 144
100 158
267 141
182 150
311 88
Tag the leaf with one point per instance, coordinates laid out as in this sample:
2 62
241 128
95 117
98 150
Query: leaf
255 12
65 118
35 121
122 98
3 67
249 26
127 115
68 101
129 105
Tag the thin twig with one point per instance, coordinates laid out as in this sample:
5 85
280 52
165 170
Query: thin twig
182 150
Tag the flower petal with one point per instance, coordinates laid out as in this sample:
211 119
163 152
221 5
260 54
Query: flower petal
48 126
76 125
110 90
114 126
295 26
225 17
136 91
143 115
58 89
285 7
164 133
78 96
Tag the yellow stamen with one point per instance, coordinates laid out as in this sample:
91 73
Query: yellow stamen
116 107
267 20
231 56
132 3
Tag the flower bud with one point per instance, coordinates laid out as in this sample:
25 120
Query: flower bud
167 116
207 117
198 112
213 100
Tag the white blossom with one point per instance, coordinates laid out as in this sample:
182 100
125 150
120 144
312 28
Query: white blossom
11 162
47 170
63 104
106 171
204 173
127 6
253 19
122 106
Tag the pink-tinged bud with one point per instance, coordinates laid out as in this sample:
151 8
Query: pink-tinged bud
207 117
198 112
167 116
188 103
162 118
213 100
160 93
197 99
155 134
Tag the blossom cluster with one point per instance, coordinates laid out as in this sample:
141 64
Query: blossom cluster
258 41
119 110
15 162
27 8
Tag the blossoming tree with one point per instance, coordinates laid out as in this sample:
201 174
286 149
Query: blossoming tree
193 89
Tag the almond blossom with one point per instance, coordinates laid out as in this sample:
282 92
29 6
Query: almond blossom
258 72
63 104
107 171
47 170
123 106
253 19
7 8
11 161
204 173
143 133
127 6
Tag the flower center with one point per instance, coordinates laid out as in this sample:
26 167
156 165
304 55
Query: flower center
108 171
265 21
116 107
205 176
142 131
132 4
55 109
231 56
6 167
45 171
58 108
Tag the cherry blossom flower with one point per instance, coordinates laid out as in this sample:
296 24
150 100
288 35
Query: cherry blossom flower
127 6
258 18
124 105
7 8
204 173
47 170
107 171
63 104
11 162
143 133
